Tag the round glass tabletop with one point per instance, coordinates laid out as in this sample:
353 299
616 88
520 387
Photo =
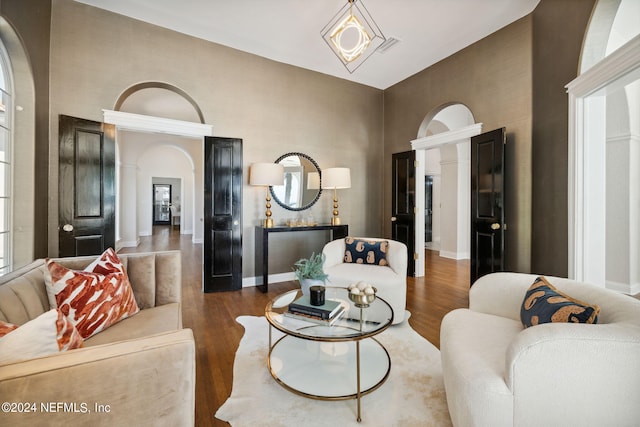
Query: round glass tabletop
353 324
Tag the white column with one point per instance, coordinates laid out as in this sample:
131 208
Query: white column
451 234
128 205
463 149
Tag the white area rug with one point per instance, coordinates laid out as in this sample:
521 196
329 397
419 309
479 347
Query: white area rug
413 395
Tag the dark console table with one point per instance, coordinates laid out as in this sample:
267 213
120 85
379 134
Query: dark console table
262 245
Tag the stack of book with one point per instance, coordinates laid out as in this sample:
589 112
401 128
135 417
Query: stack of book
325 314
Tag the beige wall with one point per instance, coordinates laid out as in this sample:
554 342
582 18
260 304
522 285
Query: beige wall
493 78
559 28
513 78
275 108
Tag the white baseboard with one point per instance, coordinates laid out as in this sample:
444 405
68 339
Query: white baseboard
455 255
127 244
196 240
248 282
625 288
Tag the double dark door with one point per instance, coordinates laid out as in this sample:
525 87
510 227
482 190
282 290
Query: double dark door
487 203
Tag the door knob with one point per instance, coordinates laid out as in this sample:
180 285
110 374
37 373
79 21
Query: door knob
67 227
495 226
393 218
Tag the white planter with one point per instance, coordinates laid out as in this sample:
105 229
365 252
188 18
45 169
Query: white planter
306 284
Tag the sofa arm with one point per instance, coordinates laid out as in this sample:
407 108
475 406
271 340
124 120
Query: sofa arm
575 374
148 381
333 253
500 294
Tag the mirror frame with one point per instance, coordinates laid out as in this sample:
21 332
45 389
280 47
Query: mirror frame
308 205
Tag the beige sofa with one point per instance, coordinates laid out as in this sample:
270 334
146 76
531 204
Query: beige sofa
140 371
390 281
499 374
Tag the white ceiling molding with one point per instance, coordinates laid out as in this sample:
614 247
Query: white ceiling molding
444 138
150 124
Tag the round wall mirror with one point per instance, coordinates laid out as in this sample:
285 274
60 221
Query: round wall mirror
301 188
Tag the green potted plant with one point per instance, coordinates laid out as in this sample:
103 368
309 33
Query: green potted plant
309 272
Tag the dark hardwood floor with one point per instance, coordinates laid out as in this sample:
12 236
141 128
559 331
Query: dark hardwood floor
212 316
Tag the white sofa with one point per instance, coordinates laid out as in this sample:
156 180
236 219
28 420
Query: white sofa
391 281
497 373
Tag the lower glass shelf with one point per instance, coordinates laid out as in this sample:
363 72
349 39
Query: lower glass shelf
327 370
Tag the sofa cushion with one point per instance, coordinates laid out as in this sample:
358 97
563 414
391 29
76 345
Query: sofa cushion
543 303
48 333
94 298
150 321
361 251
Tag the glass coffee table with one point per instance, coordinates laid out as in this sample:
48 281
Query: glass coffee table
337 362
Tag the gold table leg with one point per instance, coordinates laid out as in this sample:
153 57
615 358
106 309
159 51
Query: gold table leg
358 370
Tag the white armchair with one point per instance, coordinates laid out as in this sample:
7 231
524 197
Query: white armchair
497 373
391 280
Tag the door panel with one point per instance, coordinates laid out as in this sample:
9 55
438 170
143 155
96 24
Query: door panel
86 183
487 202
223 214
428 208
161 201
403 203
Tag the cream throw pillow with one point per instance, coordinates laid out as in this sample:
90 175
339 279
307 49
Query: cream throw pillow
49 333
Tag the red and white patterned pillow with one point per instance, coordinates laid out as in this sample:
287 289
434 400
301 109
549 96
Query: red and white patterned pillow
49 333
6 327
95 298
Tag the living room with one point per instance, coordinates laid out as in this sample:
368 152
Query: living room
83 59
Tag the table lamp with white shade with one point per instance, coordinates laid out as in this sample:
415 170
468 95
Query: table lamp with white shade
266 175
336 179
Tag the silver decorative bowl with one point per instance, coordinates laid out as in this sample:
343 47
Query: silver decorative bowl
363 300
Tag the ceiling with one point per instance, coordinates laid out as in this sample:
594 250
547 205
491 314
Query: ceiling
288 31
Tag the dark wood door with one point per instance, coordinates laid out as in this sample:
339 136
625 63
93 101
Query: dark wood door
86 182
222 214
487 203
403 202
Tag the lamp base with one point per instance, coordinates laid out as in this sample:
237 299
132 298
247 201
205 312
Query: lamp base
268 223
335 220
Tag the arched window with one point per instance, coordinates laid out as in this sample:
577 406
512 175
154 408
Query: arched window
604 159
6 140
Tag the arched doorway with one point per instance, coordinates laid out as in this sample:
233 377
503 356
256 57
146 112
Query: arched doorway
442 153
159 131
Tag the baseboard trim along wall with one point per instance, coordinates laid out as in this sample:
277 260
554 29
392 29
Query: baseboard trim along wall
248 282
